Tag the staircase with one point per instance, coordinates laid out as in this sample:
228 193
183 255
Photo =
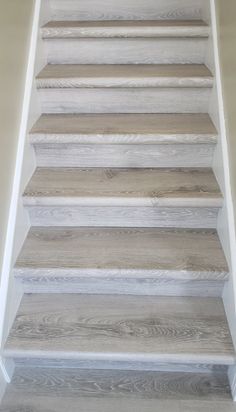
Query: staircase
122 269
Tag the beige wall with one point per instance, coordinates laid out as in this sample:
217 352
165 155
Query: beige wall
226 13
15 27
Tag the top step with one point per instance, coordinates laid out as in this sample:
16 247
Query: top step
125 28
126 9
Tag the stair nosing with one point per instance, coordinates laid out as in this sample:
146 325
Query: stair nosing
161 357
39 138
194 202
21 272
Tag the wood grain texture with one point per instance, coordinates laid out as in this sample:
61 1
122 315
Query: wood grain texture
113 327
119 384
124 28
127 366
125 100
126 51
41 282
125 9
124 156
123 187
123 216
123 252
27 402
124 129
124 75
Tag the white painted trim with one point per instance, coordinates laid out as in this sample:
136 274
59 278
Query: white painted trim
7 369
8 250
229 294
232 380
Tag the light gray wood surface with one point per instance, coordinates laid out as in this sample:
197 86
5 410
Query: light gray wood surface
124 129
125 9
124 156
122 28
112 327
122 197
28 402
123 216
64 281
126 51
125 100
135 252
77 384
146 75
138 187
198 368
123 271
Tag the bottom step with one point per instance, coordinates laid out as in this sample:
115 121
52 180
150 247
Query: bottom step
57 390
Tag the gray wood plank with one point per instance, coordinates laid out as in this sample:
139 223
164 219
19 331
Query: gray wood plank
124 28
76 384
123 252
123 187
119 365
125 100
125 9
124 156
127 51
122 328
124 129
75 76
123 216
33 403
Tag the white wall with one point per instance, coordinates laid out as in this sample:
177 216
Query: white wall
15 29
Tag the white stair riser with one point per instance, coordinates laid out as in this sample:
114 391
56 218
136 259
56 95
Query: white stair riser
130 286
181 217
126 51
125 9
79 155
134 100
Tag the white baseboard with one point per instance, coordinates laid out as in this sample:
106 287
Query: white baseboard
226 221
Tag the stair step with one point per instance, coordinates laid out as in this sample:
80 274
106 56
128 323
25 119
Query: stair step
126 329
123 197
123 187
147 75
124 129
124 28
122 260
178 89
124 140
125 10
46 389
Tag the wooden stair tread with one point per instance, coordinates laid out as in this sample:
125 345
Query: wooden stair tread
125 28
93 251
149 187
124 75
124 128
102 389
30 401
192 330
